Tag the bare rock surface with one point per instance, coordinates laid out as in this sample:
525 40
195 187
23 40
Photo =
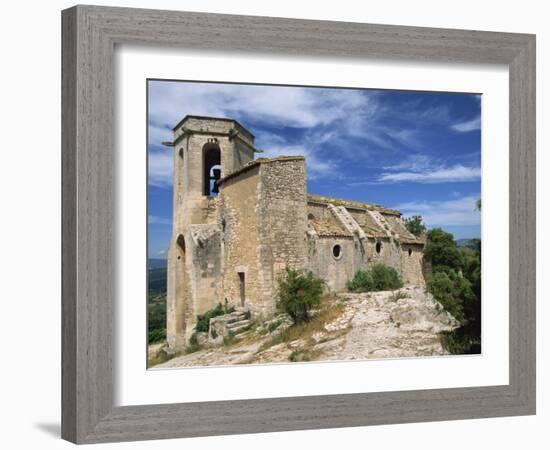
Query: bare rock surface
386 324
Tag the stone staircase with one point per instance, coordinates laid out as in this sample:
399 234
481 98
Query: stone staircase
234 324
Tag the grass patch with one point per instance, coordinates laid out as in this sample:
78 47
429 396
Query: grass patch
330 309
193 345
271 327
304 354
398 296
229 339
161 357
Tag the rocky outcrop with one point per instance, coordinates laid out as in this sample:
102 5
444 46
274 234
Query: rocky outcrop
387 324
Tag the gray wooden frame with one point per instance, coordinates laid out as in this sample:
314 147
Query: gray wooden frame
89 36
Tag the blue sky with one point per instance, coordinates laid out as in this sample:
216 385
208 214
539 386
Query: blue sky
419 152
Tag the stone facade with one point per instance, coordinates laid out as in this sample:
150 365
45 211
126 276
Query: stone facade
240 222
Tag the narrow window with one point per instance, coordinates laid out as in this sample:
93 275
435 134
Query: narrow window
337 251
242 287
378 247
410 252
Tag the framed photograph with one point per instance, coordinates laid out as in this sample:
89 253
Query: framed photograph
279 224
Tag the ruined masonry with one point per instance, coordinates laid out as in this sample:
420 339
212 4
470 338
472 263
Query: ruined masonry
239 222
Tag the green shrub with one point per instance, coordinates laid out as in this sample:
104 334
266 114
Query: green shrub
379 278
361 282
203 320
193 344
298 294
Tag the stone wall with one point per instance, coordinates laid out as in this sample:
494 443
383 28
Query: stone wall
204 262
390 252
282 217
238 221
412 261
318 211
336 271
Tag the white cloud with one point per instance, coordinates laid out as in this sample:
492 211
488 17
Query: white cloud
276 105
160 168
326 117
315 165
456 173
457 211
470 125
414 163
156 220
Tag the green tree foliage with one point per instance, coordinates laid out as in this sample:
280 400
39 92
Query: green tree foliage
453 291
456 284
298 294
442 250
156 322
379 278
415 225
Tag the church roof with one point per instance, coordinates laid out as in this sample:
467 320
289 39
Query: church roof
350 204
325 227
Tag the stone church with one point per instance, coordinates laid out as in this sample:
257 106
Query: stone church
239 222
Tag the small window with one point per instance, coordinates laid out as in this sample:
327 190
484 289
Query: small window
410 252
378 247
310 217
337 251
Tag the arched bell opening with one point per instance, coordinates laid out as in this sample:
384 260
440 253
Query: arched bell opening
211 169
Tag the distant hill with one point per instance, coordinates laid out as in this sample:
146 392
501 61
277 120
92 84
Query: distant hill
156 272
156 263
465 243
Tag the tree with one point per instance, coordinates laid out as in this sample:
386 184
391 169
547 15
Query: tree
478 205
442 250
456 284
415 225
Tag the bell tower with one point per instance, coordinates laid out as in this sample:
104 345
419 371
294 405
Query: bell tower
205 149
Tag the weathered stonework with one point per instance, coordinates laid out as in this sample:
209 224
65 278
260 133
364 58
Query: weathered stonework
239 223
